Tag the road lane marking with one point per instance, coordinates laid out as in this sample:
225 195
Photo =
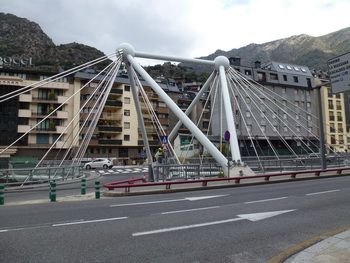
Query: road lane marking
265 200
324 192
198 198
190 210
251 217
157 231
90 221
147 203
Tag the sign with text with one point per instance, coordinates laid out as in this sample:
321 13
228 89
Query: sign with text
339 73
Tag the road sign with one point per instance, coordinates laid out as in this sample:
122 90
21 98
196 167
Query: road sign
227 136
339 73
164 139
143 154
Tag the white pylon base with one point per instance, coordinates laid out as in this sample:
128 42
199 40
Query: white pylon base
240 170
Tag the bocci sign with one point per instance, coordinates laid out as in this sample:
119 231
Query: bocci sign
10 61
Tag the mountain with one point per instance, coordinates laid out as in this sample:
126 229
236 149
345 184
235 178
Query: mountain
20 38
306 50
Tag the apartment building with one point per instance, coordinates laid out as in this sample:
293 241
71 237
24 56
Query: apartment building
289 87
27 112
334 116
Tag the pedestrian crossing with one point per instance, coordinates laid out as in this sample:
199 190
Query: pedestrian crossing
122 170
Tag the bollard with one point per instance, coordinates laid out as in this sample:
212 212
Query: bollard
83 186
2 194
97 190
53 191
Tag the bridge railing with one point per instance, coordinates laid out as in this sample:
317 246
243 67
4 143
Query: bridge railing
185 171
25 176
237 179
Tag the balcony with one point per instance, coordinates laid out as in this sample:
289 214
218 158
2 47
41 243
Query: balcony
23 128
150 142
116 91
149 130
25 98
111 116
110 142
111 103
110 129
24 113
162 109
45 130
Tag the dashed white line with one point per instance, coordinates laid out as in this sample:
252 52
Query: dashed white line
265 200
324 192
190 210
90 221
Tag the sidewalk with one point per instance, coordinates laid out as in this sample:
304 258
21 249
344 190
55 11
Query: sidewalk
332 249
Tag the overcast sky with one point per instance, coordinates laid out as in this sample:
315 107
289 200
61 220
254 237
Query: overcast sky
185 28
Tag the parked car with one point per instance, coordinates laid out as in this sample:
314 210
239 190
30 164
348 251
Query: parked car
99 163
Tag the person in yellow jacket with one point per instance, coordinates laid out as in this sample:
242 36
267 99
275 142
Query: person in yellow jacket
159 155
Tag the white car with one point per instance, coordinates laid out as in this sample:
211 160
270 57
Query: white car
99 163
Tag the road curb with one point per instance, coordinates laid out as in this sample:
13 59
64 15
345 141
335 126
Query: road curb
282 257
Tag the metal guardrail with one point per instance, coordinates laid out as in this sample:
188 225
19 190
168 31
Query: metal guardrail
25 176
186 171
127 185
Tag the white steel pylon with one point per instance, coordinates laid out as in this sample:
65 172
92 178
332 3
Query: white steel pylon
221 65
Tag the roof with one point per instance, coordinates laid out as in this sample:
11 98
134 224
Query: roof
287 68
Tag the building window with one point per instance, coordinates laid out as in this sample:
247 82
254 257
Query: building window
126 112
127 100
284 90
248 72
247 114
273 76
42 138
126 125
123 152
285 77
126 137
24 105
330 105
126 88
296 80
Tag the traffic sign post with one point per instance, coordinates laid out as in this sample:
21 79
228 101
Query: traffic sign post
339 73
227 139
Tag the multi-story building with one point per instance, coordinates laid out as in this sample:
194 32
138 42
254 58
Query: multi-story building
289 87
334 115
27 112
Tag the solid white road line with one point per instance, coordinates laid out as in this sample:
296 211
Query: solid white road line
90 221
198 198
189 210
146 203
324 192
157 231
265 200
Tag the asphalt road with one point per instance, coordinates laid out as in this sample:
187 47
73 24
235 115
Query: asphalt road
245 224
